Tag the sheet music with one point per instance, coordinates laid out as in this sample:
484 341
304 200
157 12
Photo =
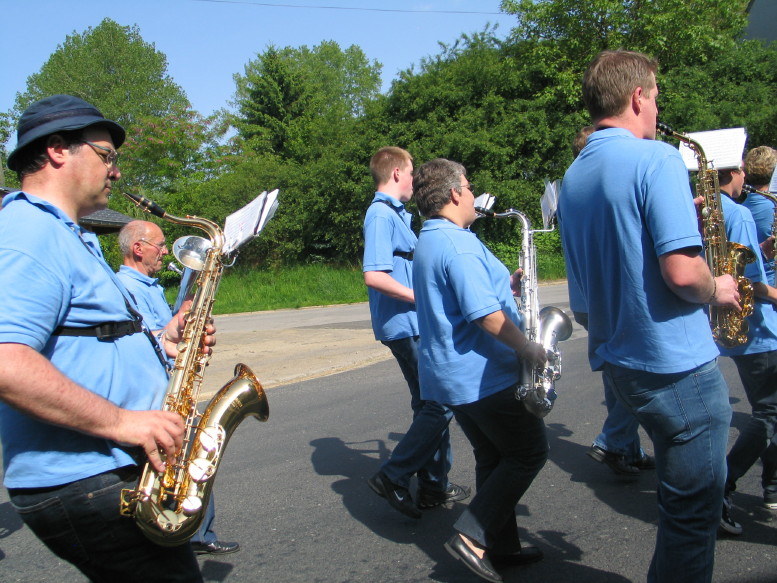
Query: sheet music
724 149
773 183
247 222
549 201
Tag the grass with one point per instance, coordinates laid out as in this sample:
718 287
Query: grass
247 290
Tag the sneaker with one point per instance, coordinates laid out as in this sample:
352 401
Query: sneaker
770 500
397 496
728 524
454 493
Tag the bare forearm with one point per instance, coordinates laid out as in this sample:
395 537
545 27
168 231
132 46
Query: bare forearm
382 282
764 291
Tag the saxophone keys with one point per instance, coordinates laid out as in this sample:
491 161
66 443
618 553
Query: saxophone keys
201 470
191 505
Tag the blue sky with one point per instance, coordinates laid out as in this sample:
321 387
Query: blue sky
207 41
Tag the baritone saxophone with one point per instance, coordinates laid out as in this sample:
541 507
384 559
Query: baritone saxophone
169 507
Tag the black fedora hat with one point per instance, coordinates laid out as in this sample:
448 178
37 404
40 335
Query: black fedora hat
60 113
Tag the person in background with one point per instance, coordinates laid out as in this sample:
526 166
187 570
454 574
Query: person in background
472 350
78 416
759 167
143 247
632 246
618 445
425 450
756 360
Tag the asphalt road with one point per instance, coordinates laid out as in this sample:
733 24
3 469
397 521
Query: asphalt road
293 490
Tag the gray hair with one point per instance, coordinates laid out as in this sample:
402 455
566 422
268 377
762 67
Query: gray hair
432 184
130 234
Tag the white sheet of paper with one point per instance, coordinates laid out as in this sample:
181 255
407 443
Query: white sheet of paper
723 148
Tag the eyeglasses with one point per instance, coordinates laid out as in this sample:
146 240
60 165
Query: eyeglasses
470 187
157 247
111 156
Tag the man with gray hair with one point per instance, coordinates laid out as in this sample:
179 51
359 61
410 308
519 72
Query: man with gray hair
143 246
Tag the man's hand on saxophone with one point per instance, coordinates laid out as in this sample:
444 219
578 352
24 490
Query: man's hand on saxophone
174 332
686 273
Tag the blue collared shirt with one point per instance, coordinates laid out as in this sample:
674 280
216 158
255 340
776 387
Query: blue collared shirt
149 295
54 275
386 231
458 280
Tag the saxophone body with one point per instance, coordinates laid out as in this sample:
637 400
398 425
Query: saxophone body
729 327
169 507
547 326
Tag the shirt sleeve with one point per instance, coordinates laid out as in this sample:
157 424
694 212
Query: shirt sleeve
471 283
378 246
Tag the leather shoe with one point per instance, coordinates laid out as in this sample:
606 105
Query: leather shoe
481 567
454 493
646 462
215 548
616 462
525 556
397 496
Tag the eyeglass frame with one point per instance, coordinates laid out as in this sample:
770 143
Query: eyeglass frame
110 159
154 245
469 185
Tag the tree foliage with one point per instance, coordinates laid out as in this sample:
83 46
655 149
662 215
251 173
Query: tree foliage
112 67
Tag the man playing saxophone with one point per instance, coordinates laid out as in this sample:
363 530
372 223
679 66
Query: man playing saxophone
77 413
632 244
756 360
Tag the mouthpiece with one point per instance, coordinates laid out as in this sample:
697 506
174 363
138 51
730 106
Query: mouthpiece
173 267
484 212
147 205
664 128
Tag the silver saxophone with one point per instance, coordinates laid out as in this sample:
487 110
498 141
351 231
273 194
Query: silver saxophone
547 326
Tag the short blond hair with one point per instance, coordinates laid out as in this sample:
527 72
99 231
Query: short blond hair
385 160
759 165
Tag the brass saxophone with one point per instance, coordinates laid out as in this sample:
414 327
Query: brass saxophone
548 326
169 507
729 327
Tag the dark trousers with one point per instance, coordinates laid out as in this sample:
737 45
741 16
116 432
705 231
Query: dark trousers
425 449
758 373
510 449
80 523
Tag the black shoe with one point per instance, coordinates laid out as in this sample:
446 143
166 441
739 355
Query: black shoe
481 567
646 462
215 548
526 556
617 463
397 496
728 524
454 493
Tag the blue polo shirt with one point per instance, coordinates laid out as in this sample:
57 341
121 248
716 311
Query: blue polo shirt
762 323
762 210
54 275
624 202
149 295
386 231
457 281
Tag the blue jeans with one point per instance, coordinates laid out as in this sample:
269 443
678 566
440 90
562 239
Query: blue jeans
687 416
758 373
425 449
510 449
80 523
620 431
206 535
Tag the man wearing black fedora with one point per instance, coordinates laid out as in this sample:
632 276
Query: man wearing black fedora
77 413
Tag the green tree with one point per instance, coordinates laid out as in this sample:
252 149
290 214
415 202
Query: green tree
112 67
299 122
